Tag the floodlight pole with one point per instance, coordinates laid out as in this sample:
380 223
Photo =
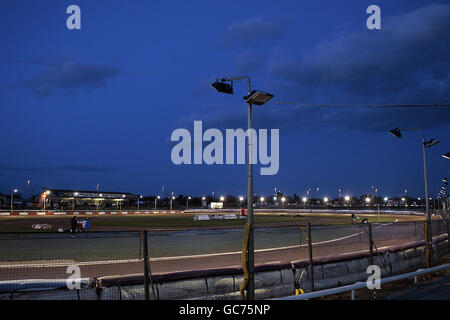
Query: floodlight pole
251 247
428 235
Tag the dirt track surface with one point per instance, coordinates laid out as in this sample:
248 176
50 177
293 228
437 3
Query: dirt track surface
56 222
386 235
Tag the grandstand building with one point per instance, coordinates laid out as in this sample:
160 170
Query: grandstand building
62 199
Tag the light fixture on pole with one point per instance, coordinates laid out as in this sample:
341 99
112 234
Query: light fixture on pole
139 200
171 199
428 235
156 198
73 200
241 198
257 98
187 202
46 193
12 198
347 199
304 201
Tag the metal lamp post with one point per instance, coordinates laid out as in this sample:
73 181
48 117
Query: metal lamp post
171 199
156 198
46 193
428 236
73 200
187 202
257 98
12 198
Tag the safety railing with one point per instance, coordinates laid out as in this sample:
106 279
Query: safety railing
361 285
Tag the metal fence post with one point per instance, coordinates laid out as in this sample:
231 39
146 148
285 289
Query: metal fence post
146 267
448 235
370 243
311 267
360 232
415 228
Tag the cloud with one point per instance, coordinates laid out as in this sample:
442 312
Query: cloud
407 61
70 78
256 30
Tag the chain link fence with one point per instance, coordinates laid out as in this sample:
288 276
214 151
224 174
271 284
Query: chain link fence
33 260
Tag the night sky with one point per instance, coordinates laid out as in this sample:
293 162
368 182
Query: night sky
143 69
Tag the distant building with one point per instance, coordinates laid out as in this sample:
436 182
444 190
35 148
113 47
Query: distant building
66 199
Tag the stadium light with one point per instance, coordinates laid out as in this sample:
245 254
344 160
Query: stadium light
156 200
223 87
222 198
187 202
431 143
257 98
428 241
46 193
12 198
396 132
305 199
347 198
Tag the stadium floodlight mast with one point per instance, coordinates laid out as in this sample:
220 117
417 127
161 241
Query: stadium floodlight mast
156 199
12 198
187 202
171 199
139 200
258 98
425 144
73 200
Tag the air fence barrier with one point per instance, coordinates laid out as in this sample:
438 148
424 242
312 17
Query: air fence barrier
206 264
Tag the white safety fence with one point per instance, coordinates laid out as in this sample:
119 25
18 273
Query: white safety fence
361 285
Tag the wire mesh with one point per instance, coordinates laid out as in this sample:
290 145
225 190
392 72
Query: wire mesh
47 256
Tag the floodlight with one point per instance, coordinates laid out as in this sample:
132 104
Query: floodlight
223 87
431 143
396 132
258 97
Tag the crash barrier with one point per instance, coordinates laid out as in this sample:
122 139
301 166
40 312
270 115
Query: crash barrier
271 280
85 213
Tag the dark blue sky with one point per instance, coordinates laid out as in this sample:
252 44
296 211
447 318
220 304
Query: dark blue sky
79 127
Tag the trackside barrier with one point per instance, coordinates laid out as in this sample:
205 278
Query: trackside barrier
41 284
362 285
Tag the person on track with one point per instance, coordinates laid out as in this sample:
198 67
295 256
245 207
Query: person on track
73 225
